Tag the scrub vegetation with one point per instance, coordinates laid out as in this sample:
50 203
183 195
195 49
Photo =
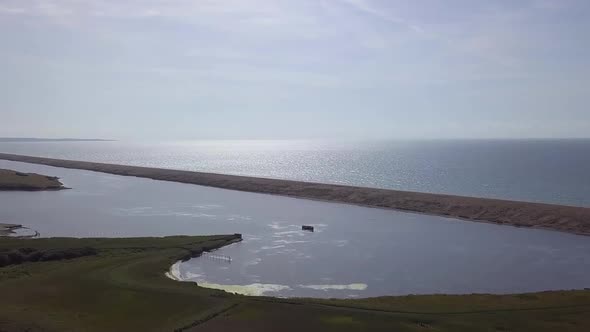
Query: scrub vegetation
119 284
13 180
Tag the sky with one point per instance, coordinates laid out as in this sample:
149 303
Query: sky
294 69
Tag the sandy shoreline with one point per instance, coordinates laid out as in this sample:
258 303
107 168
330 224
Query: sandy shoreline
523 214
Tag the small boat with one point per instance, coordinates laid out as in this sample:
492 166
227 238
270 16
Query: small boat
307 228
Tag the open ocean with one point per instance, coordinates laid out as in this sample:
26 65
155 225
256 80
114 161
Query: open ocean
550 171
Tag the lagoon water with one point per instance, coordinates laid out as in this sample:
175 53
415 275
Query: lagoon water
354 252
551 171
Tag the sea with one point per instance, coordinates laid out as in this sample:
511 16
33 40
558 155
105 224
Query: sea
542 170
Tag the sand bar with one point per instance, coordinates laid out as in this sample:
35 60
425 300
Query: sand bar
523 214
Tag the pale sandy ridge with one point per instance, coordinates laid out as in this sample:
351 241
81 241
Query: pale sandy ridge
524 214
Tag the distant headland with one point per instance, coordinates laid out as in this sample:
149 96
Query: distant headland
36 139
13 180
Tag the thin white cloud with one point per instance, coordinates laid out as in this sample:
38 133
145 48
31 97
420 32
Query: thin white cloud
366 7
11 10
152 8
311 55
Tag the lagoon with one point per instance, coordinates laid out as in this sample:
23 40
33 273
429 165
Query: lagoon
354 251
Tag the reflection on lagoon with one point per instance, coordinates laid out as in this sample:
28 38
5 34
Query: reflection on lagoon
353 252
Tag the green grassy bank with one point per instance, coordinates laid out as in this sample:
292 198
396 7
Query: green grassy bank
119 285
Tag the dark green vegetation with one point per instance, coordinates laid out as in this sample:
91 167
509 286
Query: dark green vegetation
13 180
120 286
522 214
24 255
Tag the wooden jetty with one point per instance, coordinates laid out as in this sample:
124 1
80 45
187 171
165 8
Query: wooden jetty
217 257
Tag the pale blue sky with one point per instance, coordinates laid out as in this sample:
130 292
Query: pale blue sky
179 69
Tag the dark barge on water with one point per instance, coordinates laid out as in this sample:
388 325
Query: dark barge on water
307 228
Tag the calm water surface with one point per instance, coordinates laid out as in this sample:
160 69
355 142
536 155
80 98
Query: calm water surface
553 171
355 251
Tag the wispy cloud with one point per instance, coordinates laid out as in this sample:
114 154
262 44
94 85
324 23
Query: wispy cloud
367 7
11 10
324 57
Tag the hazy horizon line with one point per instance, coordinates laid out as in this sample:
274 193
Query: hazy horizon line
74 139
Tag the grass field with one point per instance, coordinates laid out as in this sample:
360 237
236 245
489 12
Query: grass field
119 285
